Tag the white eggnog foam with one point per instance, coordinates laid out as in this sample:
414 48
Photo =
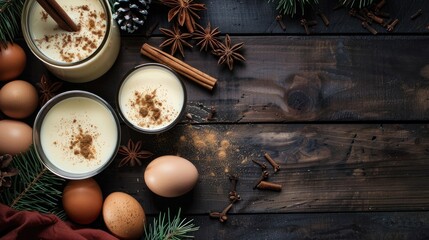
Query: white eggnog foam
79 56
151 98
76 134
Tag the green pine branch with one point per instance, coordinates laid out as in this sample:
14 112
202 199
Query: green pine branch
10 19
35 188
170 229
358 4
290 7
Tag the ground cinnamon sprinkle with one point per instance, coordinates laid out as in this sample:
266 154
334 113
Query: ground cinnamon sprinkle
151 111
68 43
82 144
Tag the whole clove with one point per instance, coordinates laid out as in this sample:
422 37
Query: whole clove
265 185
272 162
417 14
264 176
324 18
375 18
279 19
369 28
222 216
261 165
392 25
380 5
304 23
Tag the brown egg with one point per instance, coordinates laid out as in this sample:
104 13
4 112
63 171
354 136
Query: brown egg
82 200
18 99
124 216
15 137
12 61
170 176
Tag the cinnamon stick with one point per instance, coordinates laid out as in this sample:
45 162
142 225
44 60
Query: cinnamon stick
59 15
179 66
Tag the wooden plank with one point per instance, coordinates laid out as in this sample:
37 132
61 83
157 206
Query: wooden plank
384 225
259 17
324 167
295 79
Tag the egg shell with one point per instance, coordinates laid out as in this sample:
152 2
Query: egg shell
170 176
18 99
82 200
12 61
15 137
124 216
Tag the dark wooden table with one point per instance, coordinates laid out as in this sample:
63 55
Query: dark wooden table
342 111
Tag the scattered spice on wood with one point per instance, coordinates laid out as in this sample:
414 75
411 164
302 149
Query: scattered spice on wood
207 37
233 197
264 176
228 54
133 154
261 165
264 185
212 114
369 28
392 25
272 162
417 14
184 11
47 89
324 18
279 19
176 40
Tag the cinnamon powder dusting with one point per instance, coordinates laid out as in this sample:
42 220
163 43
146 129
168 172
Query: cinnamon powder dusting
151 110
92 28
82 144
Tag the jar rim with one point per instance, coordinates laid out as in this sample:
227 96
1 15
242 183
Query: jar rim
43 57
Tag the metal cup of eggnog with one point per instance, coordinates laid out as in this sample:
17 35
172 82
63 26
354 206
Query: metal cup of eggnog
78 56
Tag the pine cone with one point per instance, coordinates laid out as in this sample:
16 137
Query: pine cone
6 172
129 14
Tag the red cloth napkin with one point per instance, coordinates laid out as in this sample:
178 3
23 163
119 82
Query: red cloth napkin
34 225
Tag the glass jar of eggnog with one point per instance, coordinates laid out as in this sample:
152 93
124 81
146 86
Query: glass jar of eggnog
79 56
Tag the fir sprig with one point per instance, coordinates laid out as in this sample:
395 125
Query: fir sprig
170 229
358 4
290 7
10 19
35 188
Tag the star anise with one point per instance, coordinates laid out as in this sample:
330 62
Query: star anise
6 172
176 39
133 154
47 89
207 37
185 12
228 54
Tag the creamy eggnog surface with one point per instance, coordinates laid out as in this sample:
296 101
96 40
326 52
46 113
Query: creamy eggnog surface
78 56
63 46
151 97
78 135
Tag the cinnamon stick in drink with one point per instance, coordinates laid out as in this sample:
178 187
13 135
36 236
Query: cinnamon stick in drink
59 15
179 66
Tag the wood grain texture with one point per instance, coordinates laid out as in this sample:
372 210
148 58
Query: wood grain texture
336 226
343 112
255 17
296 79
324 167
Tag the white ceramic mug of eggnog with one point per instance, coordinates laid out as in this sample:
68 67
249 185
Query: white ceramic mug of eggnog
151 98
76 56
76 134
